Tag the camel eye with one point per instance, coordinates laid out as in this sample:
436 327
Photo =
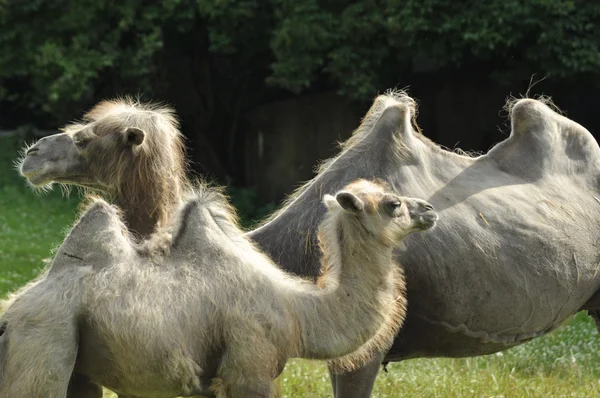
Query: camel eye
80 144
81 141
395 205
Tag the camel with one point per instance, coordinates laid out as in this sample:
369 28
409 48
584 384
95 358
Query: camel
513 256
129 152
214 315
515 253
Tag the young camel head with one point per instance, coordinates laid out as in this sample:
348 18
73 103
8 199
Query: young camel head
385 215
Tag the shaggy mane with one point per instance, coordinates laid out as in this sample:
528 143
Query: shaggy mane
214 199
157 165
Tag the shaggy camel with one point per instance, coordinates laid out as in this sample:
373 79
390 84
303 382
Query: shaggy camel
516 250
130 152
214 314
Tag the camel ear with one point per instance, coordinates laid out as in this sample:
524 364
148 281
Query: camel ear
349 202
134 136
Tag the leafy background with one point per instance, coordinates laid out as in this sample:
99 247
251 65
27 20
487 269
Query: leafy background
216 60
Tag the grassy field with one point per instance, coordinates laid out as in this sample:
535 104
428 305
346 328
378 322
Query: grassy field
565 363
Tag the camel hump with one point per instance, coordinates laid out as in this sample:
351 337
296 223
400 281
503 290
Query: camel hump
386 126
100 211
391 115
544 142
98 238
541 118
189 227
395 119
530 116
97 219
205 215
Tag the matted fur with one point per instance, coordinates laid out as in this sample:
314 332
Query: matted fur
162 328
146 180
156 170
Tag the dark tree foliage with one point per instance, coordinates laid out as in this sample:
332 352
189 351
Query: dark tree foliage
216 59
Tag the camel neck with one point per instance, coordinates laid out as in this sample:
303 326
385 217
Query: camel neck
357 296
143 213
141 218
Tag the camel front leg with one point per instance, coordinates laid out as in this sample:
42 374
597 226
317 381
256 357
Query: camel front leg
234 382
37 362
232 390
246 372
39 343
358 383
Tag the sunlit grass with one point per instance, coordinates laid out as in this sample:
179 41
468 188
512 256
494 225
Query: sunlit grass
565 363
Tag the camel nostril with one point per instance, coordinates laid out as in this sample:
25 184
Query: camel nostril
3 327
428 207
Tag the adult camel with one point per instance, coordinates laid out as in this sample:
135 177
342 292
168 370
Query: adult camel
515 252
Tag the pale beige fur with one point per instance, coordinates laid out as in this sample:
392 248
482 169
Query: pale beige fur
214 310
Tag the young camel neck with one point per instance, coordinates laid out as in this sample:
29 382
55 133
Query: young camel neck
358 299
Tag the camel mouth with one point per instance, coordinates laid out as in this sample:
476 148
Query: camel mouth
44 178
40 172
35 177
428 219
35 170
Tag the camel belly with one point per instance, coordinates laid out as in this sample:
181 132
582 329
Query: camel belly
141 361
130 369
498 272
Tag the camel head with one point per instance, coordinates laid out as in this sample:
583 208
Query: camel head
384 214
98 238
118 145
83 155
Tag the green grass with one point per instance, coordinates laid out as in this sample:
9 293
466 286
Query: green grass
565 363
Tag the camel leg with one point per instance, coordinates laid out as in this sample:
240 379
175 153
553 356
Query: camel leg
37 361
244 391
237 383
234 385
82 387
358 383
332 379
241 377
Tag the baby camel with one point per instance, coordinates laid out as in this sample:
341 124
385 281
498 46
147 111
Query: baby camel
214 315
